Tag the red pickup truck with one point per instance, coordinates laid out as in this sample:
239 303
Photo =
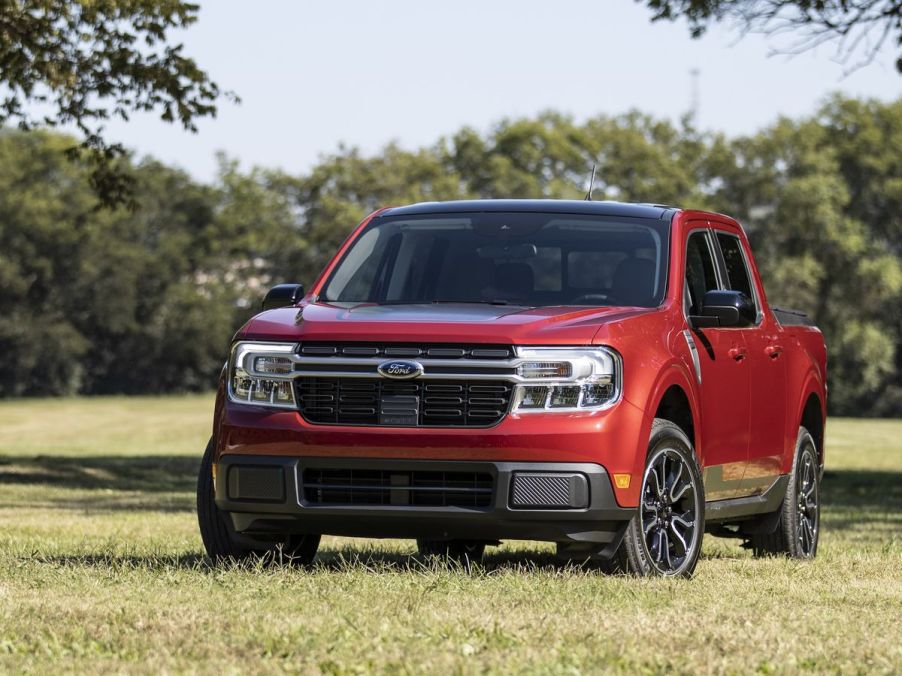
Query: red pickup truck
605 376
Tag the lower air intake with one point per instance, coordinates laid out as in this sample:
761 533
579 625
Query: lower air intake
402 488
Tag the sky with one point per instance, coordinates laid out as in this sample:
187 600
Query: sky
312 76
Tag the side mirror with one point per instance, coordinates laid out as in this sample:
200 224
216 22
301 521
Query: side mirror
725 309
283 295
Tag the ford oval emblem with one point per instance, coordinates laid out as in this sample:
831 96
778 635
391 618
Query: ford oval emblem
400 370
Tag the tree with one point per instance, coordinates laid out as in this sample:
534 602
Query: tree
821 198
858 29
146 300
83 62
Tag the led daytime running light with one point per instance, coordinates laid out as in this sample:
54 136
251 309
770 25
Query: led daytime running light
581 380
251 360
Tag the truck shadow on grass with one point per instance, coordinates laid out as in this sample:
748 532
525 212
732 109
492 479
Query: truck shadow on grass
852 499
328 560
150 473
116 482
868 503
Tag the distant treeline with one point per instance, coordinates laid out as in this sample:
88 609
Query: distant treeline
145 300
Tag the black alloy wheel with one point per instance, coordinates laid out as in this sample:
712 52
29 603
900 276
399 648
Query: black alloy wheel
669 511
798 524
664 538
808 516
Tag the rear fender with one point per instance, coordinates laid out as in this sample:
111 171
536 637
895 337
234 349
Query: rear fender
805 376
811 386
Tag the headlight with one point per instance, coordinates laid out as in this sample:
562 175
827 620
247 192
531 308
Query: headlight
567 379
260 373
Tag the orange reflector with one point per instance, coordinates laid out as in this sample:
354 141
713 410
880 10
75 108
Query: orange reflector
213 467
622 480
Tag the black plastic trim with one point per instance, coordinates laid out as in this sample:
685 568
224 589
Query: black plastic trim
601 522
283 295
788 317
736 508
468 414
273 493
602 208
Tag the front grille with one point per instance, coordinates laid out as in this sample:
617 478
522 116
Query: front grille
406 350
413 488
425 403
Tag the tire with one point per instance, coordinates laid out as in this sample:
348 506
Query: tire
664 538
798 526
464 551
223 544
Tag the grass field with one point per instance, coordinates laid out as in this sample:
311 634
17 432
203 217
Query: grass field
101 570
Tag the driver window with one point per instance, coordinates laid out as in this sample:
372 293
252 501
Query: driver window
700 275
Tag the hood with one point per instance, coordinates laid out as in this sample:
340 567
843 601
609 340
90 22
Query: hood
436 323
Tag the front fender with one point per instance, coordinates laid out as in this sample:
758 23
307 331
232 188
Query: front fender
219 411
648 399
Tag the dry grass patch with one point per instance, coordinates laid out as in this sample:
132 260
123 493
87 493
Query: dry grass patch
101 570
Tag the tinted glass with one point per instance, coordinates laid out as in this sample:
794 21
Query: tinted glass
533 259
700 275
593 269
737 273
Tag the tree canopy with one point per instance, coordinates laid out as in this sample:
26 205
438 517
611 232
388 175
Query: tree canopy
146 300
84 62
857 29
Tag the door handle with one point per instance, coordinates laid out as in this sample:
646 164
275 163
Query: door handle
737 353
773 351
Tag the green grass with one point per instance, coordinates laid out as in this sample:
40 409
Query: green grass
101 570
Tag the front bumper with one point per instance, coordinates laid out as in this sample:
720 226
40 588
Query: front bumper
285 507
614 439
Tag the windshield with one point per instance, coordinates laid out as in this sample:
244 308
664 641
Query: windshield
528 259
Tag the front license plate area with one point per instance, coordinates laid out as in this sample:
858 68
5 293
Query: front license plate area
400 410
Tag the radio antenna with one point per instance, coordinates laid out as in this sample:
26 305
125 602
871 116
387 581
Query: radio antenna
591 183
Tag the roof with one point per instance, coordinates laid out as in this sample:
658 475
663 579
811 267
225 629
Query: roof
655 211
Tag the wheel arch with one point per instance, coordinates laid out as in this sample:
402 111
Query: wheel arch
674 406
813 419
675 398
